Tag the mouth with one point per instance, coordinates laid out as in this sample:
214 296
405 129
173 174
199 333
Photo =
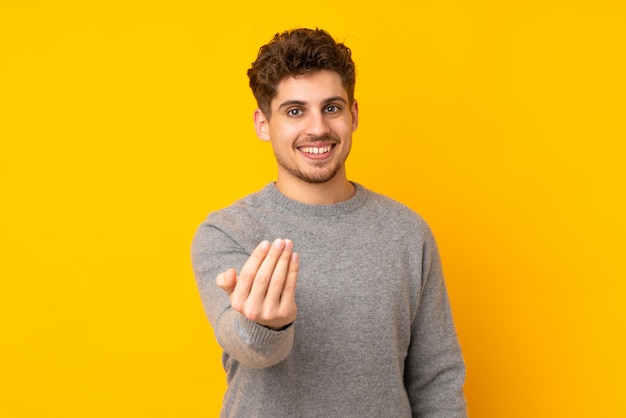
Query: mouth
316 151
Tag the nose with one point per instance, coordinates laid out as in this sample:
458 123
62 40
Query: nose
317 124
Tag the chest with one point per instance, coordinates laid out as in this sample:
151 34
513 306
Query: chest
360 277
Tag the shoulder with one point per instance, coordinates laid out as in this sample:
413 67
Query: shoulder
395 214
242 221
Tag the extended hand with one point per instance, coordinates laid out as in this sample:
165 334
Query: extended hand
265 290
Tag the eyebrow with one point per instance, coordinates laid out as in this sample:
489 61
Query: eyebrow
302 103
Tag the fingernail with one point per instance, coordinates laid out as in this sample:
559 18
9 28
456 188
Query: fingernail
288 244
264 245
279 243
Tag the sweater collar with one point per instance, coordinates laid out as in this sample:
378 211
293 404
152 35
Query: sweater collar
272 194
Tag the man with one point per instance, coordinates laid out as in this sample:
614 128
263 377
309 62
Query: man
356 323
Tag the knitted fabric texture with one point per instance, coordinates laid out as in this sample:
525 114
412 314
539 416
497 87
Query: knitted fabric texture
374 335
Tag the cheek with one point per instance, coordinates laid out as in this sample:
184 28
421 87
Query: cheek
344 128
281 141
285 135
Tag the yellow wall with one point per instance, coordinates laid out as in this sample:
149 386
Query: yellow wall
122 123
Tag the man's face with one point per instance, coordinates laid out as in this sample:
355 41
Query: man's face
310 127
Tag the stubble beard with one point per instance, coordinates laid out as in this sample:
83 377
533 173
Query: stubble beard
320 174
318 177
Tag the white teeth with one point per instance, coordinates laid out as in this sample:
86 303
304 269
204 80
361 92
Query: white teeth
316 150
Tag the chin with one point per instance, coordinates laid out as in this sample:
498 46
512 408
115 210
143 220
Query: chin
319 175
320 178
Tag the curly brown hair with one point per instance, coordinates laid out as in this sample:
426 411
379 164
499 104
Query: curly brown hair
297 52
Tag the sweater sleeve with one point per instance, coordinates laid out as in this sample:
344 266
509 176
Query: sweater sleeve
434 367
253 345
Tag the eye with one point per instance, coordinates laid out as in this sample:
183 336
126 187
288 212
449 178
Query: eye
332 109
294 112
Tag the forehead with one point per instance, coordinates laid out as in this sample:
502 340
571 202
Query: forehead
310 88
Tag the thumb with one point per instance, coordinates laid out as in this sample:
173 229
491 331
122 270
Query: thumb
227 280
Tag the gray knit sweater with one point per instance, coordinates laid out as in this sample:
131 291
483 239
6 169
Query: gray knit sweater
374 335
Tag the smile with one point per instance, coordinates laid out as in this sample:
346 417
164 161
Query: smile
316 150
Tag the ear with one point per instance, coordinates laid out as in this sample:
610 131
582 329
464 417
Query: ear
261 124
355 115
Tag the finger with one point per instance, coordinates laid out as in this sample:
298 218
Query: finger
249 271
289 289
279 275
266 270
227 280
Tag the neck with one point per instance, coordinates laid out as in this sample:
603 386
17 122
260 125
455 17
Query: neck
336 190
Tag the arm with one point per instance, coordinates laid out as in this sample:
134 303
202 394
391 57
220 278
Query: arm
434 368
248 313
